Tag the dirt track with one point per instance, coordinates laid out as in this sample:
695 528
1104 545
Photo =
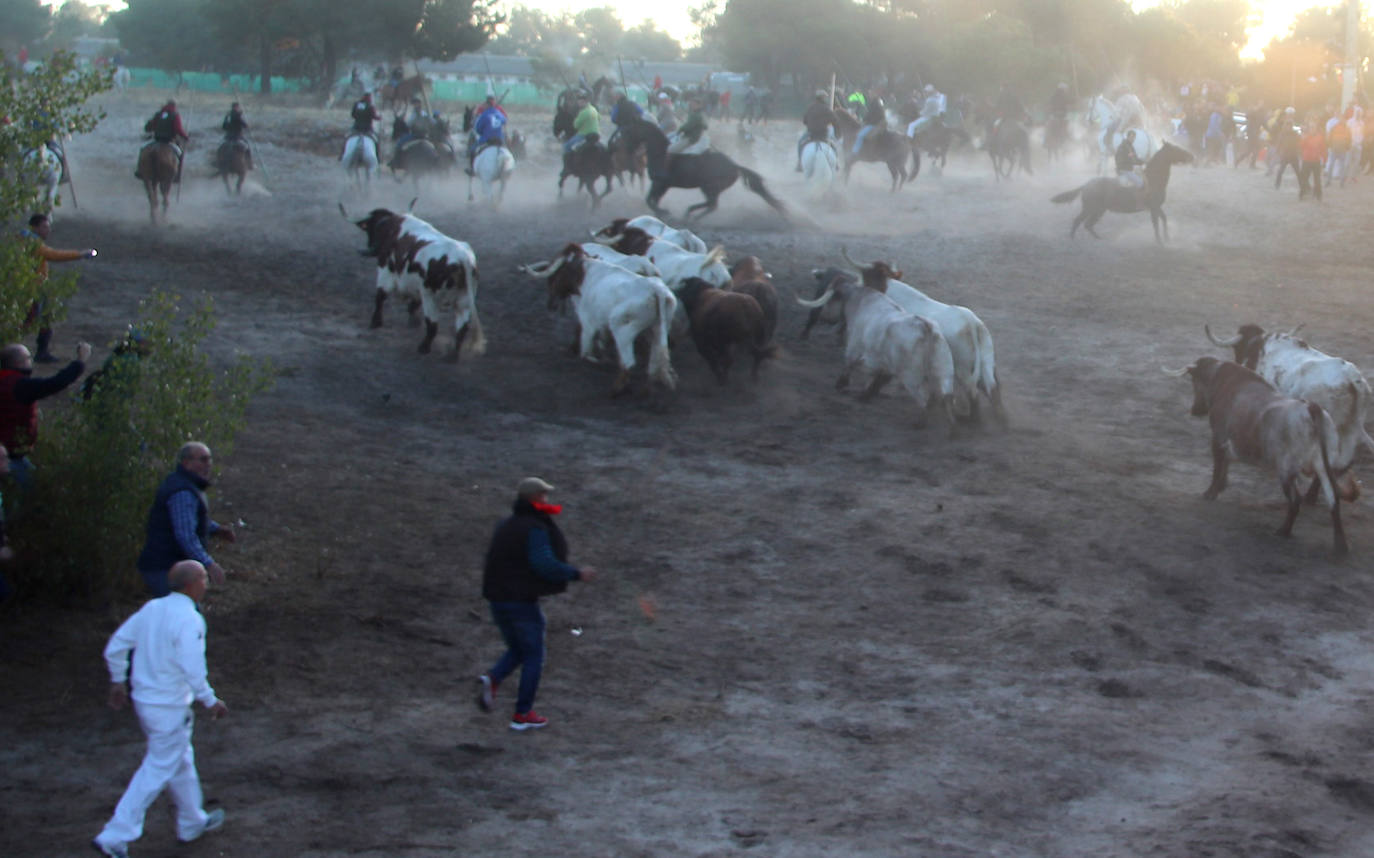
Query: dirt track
861 638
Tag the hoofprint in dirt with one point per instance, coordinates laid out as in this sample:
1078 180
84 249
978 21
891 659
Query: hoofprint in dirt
819 630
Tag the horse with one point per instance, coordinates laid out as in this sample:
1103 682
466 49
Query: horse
589 162
43 166
627 160
710 171
360 158
233 158
882 145
820 164
936 138
1102 114
1008 146
157 164
1105 194
494 166
1057 137
399 93
417 157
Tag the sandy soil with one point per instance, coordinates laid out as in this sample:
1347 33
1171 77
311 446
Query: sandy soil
820 631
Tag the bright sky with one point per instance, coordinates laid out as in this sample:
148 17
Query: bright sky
671 15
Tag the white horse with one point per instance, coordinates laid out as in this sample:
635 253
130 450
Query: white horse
44 167
494 166
1103 114
360 156
820 166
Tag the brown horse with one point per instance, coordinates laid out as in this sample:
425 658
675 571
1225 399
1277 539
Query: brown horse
157 165
399 94
889 147
233 159
633 161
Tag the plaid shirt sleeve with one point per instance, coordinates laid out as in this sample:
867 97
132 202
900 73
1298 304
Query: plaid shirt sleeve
183 508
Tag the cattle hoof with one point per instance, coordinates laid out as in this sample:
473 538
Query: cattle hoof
423 349
376 323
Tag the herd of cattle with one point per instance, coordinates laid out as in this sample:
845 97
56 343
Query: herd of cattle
1281 404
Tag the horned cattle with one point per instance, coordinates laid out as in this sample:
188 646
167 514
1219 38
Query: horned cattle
1300 371
888 342
418 262
683 238
722 320
607 298
749 277
1253 422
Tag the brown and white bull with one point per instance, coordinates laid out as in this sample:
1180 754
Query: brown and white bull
1297 369
420 263
1252 422
887 341
608 299
970 343
653 226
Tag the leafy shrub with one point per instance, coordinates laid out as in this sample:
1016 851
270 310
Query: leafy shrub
100 460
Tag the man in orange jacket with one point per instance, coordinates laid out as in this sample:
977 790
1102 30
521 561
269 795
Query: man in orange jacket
39 229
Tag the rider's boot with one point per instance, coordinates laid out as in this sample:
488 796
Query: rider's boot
178 177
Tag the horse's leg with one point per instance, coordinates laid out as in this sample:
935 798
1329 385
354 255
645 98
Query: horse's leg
150 188
1093 218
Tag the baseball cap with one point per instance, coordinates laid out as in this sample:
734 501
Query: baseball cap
532 486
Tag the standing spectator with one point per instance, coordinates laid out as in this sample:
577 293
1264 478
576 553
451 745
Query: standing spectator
1352 162
1254 134
765 105
751 106
40 227
527 558
165 641
1285 145
1313 149
19 395
6 553
1338 148
179 522
725 105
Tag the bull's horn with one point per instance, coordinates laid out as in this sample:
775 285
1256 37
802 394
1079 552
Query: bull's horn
534 269
344 213
413 200
856 266
717 254
819 302
1176 373
1226 344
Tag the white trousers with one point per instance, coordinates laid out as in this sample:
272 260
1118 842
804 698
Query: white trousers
170 764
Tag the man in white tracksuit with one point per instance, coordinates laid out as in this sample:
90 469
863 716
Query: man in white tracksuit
167 639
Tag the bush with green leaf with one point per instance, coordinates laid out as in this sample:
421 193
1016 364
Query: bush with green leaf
100 458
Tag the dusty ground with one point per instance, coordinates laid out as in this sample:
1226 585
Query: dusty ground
865 639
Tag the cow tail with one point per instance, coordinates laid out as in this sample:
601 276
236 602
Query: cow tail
1326 433
660 360
1068 196
477 338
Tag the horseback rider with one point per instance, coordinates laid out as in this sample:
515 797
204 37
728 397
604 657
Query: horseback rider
489 129
234 126
875 118
1008 108
364 114
857 104
692 138
1129 112
819 120
1060 102
625 110
165 126
587 123
667 116
1126 162
932 109
52 137
418 123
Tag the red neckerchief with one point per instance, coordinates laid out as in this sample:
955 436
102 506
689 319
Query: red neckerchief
546 508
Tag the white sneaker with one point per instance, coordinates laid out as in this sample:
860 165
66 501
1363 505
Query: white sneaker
111 850
214 821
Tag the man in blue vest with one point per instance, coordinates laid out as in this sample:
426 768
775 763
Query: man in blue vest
527 558
488 130
179 522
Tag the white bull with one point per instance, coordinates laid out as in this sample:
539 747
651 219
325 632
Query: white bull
1298 370
608 298
888 342
653 226
970 343
418 262
638 264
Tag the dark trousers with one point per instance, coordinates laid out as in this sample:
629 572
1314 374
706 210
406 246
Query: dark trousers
1284 163
522 628
1310 179
156 582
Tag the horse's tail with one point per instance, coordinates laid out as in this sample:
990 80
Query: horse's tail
1068 196
754 182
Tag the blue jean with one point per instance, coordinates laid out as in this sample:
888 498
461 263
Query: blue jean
573 141
522 628
859 140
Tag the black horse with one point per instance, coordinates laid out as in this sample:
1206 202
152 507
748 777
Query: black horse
710 171
1009 147
417 157
1108 194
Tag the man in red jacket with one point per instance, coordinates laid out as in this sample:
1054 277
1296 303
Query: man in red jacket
19 395
166 127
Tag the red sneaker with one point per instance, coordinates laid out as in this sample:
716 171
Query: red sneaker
526 720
